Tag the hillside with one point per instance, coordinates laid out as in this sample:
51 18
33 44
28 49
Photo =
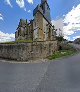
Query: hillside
77 41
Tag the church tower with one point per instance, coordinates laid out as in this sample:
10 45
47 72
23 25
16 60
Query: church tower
38 29
46 9
43 1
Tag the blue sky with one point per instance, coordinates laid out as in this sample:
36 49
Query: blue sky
12 10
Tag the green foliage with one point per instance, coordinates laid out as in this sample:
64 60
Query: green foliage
18 41
24 41
66 46
60 38
13 42
70 41
77 41
61 53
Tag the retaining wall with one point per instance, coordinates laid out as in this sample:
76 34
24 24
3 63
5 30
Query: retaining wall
27 51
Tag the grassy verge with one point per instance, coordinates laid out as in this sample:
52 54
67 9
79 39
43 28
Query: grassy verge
61 53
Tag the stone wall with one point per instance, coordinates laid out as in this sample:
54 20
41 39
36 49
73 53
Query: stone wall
27 51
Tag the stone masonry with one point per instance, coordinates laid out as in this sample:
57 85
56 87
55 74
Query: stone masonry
39 31
28 51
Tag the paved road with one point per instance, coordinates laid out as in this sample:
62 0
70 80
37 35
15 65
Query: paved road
58 76
21 77
62 76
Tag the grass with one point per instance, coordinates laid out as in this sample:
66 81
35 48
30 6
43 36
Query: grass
61 53
24 41
8 42
18 41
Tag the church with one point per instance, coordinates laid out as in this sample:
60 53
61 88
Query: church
38 29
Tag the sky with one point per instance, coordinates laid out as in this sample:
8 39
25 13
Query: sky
11 11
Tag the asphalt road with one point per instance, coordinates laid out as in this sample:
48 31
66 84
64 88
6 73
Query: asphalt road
21 77
62 76
57 76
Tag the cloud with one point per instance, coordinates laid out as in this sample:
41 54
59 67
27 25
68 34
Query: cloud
70 24
1 17
72 21
66 37
21 4
4 37
8 3
59 26
30 1
29 11
76 37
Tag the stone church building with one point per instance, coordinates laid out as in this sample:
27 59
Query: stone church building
38 29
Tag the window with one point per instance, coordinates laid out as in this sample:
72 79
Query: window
35 24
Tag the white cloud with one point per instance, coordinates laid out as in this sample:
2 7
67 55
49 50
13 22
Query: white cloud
76 37
29 11
21 4
66 37
8 3
30 1
59 26
24 9
72 21
1 17
6 37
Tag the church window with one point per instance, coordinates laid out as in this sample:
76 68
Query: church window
35 24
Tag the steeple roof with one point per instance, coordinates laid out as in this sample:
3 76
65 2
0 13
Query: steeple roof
44 9
42 1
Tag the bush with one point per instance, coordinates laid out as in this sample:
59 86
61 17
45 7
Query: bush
60 38
65 46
